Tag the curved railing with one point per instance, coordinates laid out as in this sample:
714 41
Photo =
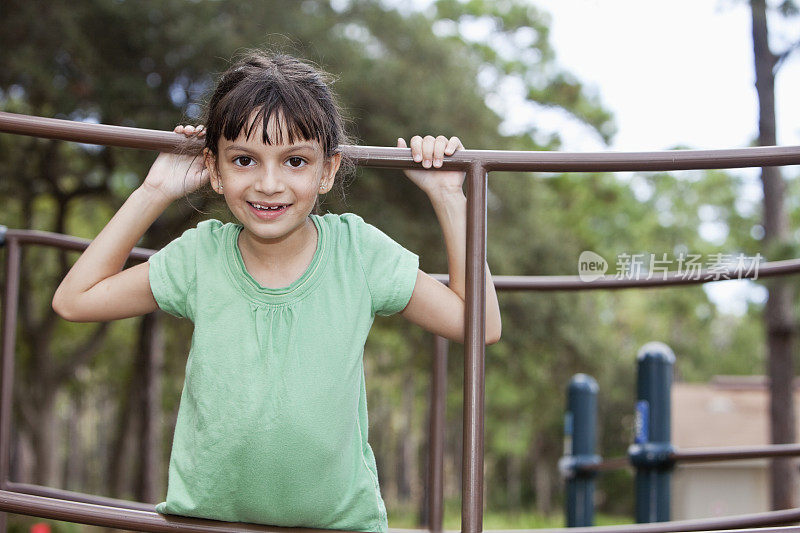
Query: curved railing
477 164
63 506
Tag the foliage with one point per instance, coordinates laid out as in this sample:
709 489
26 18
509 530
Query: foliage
149 63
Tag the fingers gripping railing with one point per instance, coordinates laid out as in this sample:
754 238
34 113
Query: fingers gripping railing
477 163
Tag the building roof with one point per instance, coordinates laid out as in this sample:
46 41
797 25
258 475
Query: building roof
728 411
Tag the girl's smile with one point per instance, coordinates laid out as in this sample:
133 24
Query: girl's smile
266 211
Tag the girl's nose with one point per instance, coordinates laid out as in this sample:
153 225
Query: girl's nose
269 182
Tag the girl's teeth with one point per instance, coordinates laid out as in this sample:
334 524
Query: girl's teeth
267 208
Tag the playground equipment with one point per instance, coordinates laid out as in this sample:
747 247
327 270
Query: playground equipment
651 454
63 505
580 436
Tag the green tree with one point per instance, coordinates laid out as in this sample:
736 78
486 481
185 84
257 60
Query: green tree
779 319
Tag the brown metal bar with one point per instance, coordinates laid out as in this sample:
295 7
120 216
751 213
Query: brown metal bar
474 353
574 283
69 130
732 453
505 283
139 520
133 519
60 494
491 160
726 524
785 529
10 304
436 435
67 242
706 455
638 161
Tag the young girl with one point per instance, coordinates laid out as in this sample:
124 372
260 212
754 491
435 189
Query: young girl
272 424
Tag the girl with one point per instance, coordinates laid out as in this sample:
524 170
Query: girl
272 424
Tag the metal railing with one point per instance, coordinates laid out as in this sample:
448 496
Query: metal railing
651 455
477 164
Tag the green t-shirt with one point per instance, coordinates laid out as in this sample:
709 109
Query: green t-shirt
272 424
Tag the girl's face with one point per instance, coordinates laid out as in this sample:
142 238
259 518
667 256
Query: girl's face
271 189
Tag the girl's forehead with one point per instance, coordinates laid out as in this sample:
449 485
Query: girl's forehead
277 132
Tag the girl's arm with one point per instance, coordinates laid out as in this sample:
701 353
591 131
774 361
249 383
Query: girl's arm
96 289
434 306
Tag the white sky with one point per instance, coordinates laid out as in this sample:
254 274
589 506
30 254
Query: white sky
673 73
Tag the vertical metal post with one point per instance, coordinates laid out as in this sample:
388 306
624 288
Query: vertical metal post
10 303
580 437
650 453
436 435
474 352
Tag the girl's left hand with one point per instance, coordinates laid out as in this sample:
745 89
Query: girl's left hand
430 152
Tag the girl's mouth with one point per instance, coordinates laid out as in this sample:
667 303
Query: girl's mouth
268 211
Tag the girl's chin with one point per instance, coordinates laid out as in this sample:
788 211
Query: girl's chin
275 231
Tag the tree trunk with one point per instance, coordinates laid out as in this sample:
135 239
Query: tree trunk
778 312
152 356
543 485
514 480
115 469
44 443
74 464
407 464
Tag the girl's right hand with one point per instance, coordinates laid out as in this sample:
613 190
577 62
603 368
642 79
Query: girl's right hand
174 175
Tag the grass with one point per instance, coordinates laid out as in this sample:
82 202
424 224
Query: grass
406 518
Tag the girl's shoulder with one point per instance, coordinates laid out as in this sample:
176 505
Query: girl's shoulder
212 225
207 233
212 229
340 218
351 229
343 225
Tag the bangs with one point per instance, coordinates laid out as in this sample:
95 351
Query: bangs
297 115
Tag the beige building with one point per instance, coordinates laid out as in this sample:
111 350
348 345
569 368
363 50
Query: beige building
728 411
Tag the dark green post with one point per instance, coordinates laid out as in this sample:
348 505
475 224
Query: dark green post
650 453
580 435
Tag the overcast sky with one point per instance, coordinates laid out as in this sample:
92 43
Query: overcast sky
677 73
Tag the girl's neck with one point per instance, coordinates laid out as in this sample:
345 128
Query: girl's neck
278 263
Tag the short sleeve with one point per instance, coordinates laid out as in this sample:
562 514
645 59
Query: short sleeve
173 271
390 269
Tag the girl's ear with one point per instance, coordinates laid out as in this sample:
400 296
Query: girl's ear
211 165
329 171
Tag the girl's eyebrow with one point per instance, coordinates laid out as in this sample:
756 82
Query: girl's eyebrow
234 147
301 146
296 146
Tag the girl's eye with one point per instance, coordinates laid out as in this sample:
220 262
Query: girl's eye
243 161
296 161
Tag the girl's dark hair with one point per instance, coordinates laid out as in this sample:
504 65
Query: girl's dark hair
279 87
